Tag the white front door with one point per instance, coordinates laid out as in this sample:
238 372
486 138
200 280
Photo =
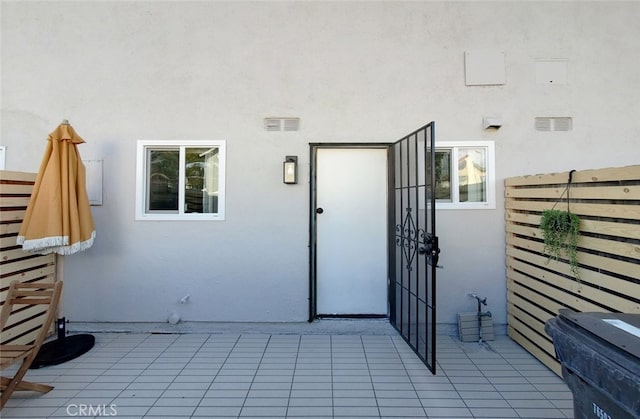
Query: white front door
351 231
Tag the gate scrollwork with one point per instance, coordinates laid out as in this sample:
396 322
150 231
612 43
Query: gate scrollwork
410 238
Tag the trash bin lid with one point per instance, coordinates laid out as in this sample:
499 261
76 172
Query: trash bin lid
621 330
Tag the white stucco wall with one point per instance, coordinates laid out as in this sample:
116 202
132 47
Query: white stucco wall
124 71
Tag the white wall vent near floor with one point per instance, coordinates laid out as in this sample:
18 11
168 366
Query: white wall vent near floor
282 124
554 124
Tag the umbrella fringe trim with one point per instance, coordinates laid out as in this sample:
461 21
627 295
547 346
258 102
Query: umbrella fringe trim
55 244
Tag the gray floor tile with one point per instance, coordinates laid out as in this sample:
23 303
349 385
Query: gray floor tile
124 411
428 403
272 386
269 393
217 411
311 386
171 411
438 394
540 413
396 394
532 404
183 393
266 401
402 412
353 393
474 387
355 401
310 401
562 403
515 387
222 402
338 386
480 395
226 393
306 411
386 402
182 401
352 378
393 386
355 411
494 413
484 403
261 412
311 393
447 412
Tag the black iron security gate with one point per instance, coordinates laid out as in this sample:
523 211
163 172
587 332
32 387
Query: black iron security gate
414 247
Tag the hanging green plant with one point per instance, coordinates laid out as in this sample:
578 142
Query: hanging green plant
561 231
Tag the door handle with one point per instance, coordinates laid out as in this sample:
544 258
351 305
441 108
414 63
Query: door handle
319 210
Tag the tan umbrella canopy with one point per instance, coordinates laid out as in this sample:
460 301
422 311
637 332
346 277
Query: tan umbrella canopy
58 218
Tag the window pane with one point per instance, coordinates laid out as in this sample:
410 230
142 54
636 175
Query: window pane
472 174
163 180
201 183
443 175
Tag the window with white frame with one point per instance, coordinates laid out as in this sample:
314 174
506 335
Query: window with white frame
465 175
180 180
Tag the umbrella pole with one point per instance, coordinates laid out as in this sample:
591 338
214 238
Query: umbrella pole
64 348
60 323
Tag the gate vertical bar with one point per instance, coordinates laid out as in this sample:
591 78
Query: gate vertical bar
430 176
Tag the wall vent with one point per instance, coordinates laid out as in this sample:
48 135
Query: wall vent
553 124
562 124
272 124
282 124
291 124
543 124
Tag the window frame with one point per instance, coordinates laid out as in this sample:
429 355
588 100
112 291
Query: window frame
454 147
142 146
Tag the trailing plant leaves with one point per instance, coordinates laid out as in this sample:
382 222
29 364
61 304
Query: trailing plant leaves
561 230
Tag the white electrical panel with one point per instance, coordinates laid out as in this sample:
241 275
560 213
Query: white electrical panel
551 71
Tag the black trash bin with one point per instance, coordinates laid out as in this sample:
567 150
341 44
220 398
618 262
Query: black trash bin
600 357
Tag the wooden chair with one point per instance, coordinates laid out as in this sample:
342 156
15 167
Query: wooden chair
26 294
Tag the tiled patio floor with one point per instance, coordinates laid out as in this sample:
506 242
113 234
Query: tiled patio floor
135 375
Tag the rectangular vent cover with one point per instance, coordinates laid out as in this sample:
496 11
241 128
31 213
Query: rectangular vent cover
272 124
554 124
282 124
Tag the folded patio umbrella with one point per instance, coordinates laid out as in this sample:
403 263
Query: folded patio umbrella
58 217
58 220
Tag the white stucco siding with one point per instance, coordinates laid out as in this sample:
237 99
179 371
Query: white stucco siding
366 71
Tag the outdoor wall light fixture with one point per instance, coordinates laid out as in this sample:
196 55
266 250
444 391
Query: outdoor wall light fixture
290 170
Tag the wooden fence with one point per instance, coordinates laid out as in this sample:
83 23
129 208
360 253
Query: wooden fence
608 204
15 264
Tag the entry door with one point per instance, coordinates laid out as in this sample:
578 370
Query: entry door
414 249
351 221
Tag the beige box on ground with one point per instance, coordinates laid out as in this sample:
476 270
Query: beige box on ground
468 329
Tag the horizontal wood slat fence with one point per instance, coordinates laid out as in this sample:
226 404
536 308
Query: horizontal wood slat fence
608 204
15 264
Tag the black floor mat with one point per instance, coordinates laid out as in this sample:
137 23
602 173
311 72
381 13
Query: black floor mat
62 350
